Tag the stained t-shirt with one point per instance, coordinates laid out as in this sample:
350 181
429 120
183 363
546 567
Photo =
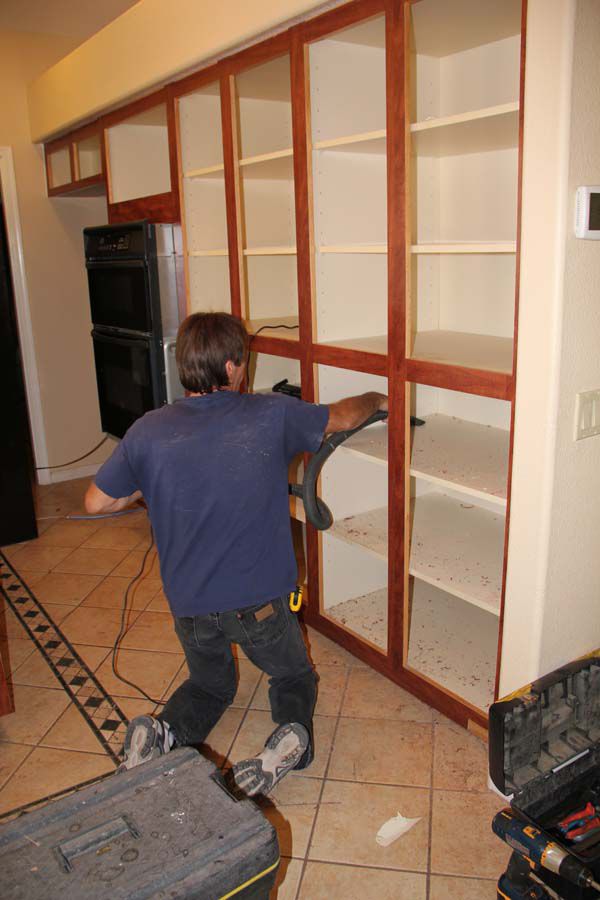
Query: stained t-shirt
213 471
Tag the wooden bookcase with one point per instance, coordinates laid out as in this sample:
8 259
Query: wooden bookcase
359 176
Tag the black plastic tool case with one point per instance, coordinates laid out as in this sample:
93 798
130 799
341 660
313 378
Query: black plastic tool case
544 748
164 829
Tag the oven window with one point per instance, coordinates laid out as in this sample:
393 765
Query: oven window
124 376
119 296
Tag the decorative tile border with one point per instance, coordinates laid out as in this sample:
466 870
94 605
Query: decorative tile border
100 711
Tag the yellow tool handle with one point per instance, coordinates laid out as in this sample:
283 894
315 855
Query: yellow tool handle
296 599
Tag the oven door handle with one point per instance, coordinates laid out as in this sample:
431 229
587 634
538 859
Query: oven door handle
116 264
106 338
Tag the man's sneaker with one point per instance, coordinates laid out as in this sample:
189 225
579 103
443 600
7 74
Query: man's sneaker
145 739
283 751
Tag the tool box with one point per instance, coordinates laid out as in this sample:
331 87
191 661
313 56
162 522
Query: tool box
166 829
544 749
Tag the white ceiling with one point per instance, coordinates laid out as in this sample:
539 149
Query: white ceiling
75 18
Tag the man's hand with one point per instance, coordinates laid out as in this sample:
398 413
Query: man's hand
353 411
97 502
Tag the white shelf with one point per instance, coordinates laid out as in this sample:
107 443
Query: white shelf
376 344
458 547
366 616
457 348
368 529
270 251
206 171
268 166
371 442
453 644
466 247
476 131
266 157
461 455
354 248
365 142
219 252
254 325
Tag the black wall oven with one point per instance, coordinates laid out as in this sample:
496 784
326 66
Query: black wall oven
132 278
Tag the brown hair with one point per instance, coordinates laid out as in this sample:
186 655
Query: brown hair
205 342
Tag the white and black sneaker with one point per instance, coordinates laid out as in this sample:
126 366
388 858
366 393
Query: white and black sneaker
283 751
146 738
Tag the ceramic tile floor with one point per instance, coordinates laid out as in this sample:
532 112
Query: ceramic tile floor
379 750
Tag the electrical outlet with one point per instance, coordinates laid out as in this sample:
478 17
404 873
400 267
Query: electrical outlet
587 414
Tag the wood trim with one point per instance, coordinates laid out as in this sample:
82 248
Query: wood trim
117 116
182 258
197 80
275 346
358 360
232 193
516 331
341 17
456 378
157 208
397 312
173 161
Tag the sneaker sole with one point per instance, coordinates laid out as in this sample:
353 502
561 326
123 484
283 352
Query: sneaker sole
139 743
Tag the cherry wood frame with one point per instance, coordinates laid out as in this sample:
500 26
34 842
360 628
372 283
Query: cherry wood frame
395 365
91 185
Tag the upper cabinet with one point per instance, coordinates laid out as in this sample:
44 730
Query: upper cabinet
463 137
141 162
74 164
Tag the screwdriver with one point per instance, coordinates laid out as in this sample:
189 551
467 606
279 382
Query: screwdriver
530 842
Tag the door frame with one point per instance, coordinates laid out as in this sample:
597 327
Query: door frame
8 190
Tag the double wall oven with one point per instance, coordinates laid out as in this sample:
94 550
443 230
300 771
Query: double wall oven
133 284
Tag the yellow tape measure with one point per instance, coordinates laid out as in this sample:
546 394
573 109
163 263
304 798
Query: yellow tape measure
296 599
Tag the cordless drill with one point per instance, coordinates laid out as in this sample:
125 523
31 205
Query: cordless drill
533 844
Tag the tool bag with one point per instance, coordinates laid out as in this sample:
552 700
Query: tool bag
544 749
166 829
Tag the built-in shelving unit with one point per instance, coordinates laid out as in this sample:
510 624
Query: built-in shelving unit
59 168
349 174
204 211
87 156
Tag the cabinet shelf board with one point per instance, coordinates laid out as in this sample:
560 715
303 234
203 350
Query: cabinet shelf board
371 442
453 644
477 131
376 344
458 348
278 165
368 530
278 326
461 455
354 248
270 251
466 247
205 172
441 28
219 252
365 142
365 616
459 548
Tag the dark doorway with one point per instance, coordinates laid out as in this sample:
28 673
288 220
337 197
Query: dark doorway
17 511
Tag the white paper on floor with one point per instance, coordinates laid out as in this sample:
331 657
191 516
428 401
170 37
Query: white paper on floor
393 829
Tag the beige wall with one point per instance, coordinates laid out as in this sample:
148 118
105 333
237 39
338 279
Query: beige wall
53 260
148 45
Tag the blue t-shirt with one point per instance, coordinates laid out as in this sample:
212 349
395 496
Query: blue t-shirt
213 471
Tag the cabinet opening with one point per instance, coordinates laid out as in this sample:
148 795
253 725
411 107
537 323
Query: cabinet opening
138 156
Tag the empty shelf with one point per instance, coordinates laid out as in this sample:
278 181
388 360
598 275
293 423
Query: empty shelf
477 131
458 348
465 247
371 442
270 251
462 455
458 547
376 344
368 529
354 248
278 326
366 616
453 644
204 172
366 142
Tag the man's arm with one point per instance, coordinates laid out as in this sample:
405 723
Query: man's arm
353 411
96 501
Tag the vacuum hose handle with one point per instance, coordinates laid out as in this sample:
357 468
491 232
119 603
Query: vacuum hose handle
317 511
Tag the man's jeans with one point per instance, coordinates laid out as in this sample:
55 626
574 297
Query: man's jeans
271 638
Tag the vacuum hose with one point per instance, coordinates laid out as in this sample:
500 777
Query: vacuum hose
317 512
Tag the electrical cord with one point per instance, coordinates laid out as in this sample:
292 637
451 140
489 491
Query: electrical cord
71 461
123 630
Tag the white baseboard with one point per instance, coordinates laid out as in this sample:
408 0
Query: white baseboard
57 475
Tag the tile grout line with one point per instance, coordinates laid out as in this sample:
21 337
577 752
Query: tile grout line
430 836
323 783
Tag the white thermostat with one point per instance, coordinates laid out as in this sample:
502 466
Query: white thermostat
587 212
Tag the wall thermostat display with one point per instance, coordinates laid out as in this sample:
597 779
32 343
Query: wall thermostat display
587 212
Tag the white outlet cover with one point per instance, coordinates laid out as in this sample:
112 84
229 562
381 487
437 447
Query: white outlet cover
587 414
